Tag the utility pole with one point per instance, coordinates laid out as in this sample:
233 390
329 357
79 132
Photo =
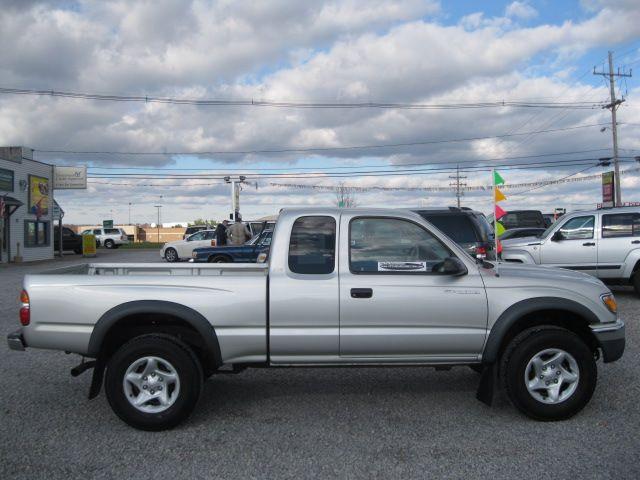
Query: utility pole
158 224
129 213
615 103
457 177
235 194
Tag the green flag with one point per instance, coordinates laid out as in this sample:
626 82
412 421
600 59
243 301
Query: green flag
498 180
500 228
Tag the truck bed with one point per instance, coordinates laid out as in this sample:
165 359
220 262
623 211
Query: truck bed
68 302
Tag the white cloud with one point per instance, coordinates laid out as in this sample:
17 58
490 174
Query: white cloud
521 10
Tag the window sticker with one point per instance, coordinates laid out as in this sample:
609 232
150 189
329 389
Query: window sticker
402 266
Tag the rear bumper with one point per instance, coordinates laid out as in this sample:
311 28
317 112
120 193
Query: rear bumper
16 341
611 338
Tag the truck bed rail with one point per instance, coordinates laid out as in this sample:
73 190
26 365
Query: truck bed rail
189 269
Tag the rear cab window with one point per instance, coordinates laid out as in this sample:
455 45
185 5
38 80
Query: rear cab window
312 246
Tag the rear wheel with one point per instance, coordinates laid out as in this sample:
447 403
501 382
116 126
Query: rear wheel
220 259
153 382
549 373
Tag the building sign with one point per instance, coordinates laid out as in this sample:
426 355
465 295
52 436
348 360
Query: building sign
608 189
38 196
70 178
6 180
107 224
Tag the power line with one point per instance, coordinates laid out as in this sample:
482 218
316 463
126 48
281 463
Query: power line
340 167
282 104
312 149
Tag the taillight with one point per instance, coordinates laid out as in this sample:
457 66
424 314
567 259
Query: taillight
481 250
25 311
214 243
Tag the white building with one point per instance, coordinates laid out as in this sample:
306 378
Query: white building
26 220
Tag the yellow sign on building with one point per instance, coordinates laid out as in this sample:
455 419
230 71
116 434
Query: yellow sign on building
38 195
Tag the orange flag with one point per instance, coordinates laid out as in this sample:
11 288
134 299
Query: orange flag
499 196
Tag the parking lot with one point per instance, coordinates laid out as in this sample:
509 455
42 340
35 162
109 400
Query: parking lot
309 423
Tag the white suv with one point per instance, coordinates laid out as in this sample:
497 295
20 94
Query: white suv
109 237
604 243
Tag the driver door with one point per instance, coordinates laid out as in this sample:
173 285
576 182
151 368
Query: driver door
392 302
573 245
197 240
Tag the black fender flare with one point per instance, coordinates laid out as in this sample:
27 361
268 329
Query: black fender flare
189 315
516 311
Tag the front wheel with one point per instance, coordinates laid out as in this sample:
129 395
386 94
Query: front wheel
171 255
109 244
549 373
153 382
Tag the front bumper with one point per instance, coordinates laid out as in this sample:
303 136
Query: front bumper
610 337
16 341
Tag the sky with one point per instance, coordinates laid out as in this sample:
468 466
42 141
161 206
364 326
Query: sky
350 51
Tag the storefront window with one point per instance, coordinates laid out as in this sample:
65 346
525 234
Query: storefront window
36 233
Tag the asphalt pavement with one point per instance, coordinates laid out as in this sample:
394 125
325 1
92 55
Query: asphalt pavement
309 423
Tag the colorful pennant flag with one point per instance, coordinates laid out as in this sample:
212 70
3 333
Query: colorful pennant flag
498 212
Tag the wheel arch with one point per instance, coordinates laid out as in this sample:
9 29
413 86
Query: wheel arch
213 256
156 315
532 312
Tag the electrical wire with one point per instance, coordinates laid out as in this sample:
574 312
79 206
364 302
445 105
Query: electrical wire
281 104
313 149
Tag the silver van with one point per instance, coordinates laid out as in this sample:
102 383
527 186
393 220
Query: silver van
604 243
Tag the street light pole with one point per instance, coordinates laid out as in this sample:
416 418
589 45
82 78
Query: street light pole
158 224
129 213
235 194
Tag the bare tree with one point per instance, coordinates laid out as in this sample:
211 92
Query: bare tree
345 197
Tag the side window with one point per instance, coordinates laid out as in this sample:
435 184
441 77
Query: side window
393 245
578 228
196 237
312 247
620 225
97 231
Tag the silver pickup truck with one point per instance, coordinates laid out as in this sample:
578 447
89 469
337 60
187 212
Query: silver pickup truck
354 287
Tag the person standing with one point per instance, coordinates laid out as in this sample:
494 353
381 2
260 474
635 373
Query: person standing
221 233
238 232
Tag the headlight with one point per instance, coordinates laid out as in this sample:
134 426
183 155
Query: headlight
610 302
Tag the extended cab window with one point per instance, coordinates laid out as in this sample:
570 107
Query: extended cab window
578 228
621 225
312 247
393 245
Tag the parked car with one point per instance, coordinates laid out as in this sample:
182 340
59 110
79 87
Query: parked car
522 219
603 243
343 287
521 232
182 249
70 239
247 253
468 228
195 229
109 237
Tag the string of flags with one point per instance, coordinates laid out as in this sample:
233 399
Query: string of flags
498 212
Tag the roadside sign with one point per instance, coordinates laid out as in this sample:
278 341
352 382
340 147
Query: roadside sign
70 178
107 224
88 245
608 189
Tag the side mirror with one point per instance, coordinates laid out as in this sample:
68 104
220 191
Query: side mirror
557 236
451 266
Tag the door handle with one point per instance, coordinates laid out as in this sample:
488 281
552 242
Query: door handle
361 293
636 241
589 244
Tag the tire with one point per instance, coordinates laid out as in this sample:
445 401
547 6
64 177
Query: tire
528 359
179 393
636 282
171 255
220 259
109 243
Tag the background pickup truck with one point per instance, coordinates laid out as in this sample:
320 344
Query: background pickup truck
246 253
352 287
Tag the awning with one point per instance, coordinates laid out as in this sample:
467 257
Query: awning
11 205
